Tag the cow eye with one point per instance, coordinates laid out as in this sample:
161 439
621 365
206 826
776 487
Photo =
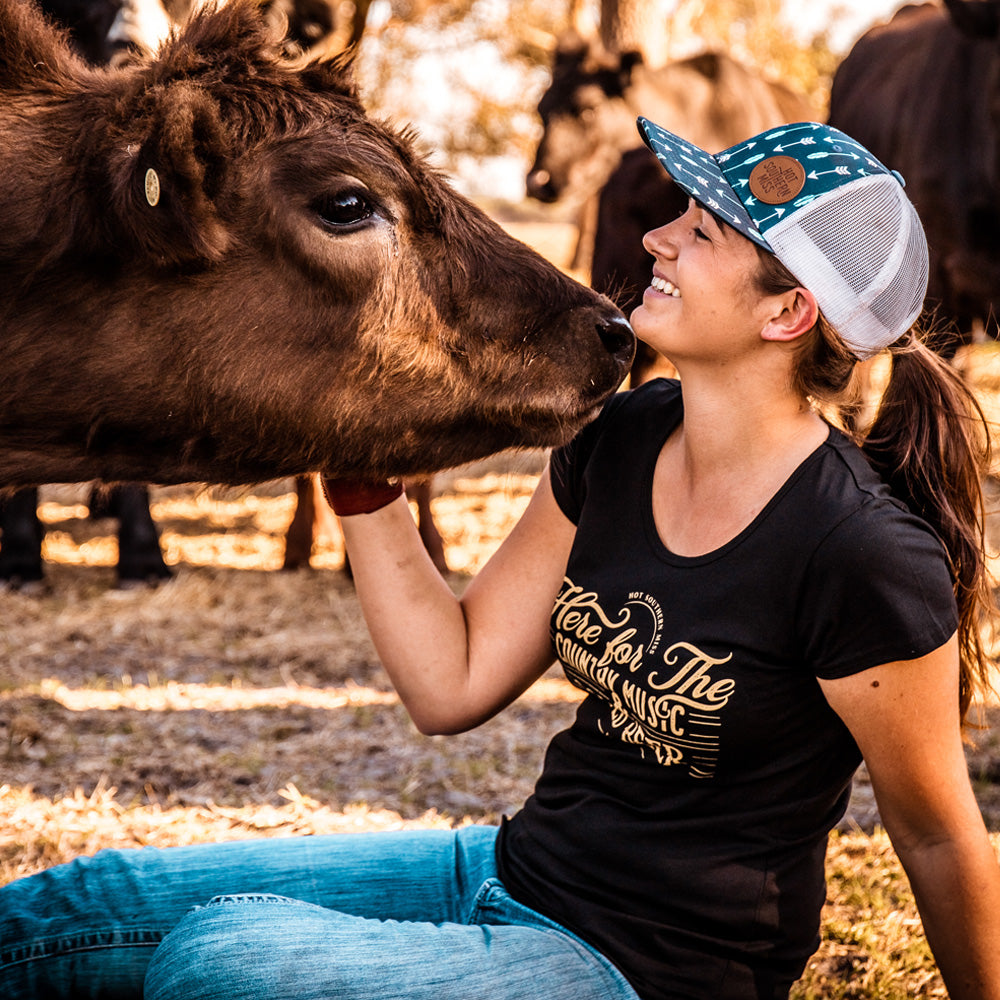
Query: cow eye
345 210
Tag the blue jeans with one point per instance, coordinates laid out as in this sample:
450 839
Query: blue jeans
416 914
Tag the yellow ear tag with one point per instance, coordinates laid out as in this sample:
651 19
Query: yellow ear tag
152 187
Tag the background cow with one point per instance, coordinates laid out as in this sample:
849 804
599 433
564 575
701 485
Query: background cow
638 197
588 112
300 290
588 115
921 92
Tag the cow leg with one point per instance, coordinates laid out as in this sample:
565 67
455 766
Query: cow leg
21 534
140 560
312 519
583 251
419 491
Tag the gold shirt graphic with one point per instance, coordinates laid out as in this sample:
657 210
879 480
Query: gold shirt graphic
667 702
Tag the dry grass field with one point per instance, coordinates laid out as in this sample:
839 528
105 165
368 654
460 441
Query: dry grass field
240 701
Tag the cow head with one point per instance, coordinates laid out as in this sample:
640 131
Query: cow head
219 268
586 118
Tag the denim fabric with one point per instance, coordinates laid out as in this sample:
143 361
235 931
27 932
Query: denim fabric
411 914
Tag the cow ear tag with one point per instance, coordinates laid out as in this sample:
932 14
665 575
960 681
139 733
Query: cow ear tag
152 187
777 179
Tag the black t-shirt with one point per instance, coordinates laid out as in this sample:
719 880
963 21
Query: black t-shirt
680 824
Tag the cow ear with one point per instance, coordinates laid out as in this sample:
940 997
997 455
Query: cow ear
176 177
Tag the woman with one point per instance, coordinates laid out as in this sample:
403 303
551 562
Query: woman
749 611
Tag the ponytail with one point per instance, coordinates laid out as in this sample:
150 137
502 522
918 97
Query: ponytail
929 441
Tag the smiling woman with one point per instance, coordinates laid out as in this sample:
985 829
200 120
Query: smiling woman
705 263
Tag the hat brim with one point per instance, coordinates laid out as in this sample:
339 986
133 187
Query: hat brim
698 174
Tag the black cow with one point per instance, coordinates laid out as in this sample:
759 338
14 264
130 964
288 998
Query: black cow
922 92
588 151
638 197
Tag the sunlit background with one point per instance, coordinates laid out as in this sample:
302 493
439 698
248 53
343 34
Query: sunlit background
468 75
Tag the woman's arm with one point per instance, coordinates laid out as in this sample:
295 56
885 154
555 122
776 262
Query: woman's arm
905 719
455 663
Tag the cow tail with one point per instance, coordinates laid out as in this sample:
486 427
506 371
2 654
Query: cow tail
930 442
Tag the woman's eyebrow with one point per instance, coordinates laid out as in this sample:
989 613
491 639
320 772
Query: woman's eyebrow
706 217
723 230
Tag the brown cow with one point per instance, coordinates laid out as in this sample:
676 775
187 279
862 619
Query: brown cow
108 32
218 268
588 112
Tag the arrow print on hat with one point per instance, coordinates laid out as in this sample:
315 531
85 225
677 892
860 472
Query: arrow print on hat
843 171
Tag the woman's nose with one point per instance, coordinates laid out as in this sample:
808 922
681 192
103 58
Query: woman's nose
660 242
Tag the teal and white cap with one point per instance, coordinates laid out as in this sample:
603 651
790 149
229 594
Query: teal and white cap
836 217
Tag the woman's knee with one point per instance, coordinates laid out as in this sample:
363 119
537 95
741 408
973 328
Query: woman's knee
239 946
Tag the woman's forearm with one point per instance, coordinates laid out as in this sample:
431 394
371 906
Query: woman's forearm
957 887
416 622
456 662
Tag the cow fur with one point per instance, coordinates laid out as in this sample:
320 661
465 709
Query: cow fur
308 293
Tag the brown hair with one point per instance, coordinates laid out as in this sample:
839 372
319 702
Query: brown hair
929 441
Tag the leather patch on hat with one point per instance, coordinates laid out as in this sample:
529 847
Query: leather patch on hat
777 179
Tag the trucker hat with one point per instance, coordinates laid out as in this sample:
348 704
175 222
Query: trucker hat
837 218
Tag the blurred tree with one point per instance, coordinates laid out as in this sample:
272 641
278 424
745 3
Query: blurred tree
469 73
761 33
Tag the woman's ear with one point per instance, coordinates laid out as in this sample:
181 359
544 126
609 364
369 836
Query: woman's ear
796 313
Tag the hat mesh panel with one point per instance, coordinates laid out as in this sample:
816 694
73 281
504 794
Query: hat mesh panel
873 282
905 296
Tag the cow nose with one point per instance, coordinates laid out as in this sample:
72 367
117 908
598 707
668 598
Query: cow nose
617 337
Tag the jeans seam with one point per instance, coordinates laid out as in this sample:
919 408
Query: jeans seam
493 887
254 898
486 891
136 937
